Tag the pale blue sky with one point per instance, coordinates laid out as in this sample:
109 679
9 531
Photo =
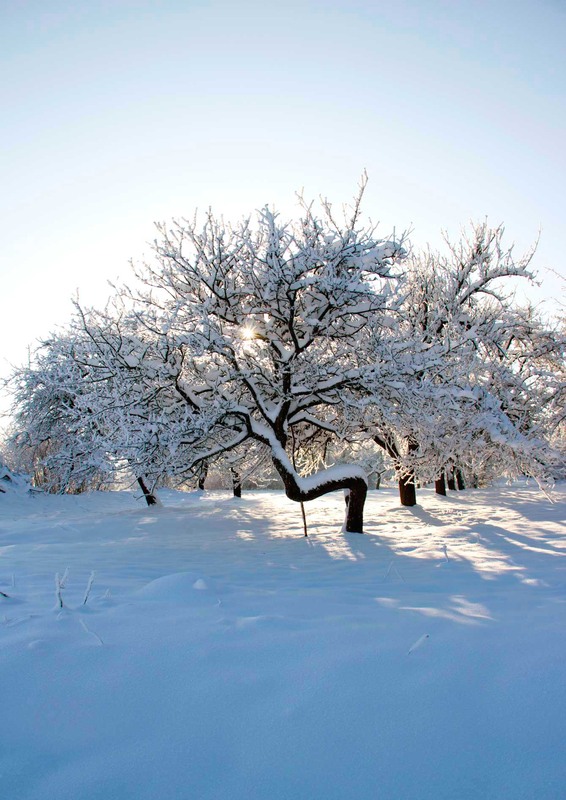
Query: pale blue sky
117 113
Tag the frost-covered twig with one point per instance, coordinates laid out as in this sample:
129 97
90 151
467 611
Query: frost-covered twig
58 589
88 588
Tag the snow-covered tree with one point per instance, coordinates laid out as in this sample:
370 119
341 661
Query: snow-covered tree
265 321
456 323
52 433
84 413
311 341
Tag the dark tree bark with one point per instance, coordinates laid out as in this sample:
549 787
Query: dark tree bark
202 475
236 482
451 480
460 480
440 485
356 498
407 484
378 480
408 491
150 498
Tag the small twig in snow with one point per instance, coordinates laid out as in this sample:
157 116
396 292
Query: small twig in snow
58 589
3 594
88 588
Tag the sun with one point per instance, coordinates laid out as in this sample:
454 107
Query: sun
248 333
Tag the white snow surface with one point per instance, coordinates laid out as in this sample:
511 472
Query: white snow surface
220 654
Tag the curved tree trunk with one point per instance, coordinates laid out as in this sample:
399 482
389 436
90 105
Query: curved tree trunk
355 485
150 497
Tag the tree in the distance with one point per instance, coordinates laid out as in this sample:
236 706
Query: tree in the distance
457 314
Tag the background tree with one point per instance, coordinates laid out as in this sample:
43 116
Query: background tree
457 315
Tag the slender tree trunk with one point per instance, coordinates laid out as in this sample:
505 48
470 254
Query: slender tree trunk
440 485
460 480
236 482
150 498
202 476
378 480
407 484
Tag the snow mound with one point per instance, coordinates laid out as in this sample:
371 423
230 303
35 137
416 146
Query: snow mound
180 587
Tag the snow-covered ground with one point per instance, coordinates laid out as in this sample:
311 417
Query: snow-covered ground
221 655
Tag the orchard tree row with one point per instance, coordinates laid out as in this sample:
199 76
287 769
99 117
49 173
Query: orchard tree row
306 347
